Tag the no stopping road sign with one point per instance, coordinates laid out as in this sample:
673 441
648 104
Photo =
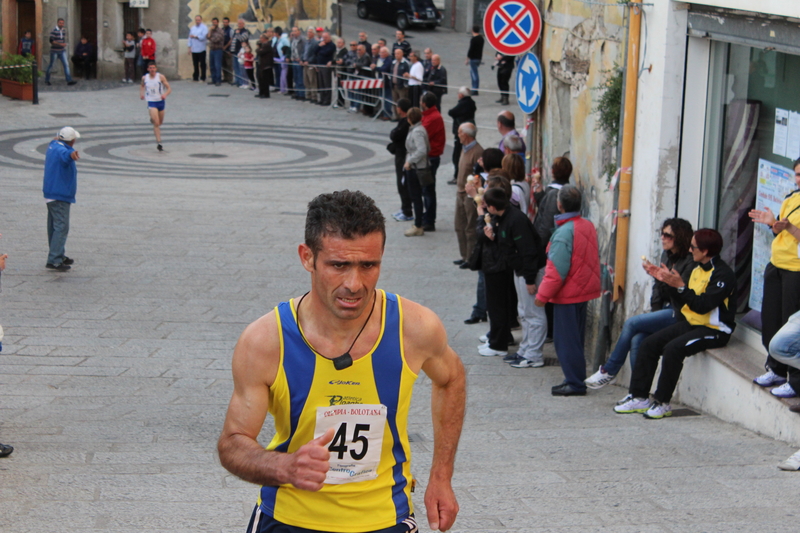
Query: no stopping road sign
512 27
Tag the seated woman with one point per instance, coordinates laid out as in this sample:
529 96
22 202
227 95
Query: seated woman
676 236
709 310
83 58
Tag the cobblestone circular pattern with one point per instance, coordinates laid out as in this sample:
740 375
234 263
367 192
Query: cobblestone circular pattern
209 151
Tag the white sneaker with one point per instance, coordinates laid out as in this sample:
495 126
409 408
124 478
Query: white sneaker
658 410
599 379
629 404
486 351
484 338
791 464
784 391
769 379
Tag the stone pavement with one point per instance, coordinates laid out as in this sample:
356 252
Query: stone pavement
115 377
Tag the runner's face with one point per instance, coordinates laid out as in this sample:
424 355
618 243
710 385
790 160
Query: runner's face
797 175
152 69
345 272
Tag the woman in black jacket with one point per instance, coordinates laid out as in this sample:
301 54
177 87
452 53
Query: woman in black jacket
676 236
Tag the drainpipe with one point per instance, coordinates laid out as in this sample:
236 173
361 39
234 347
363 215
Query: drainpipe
628 134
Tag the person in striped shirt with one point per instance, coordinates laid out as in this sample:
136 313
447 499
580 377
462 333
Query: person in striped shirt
58 50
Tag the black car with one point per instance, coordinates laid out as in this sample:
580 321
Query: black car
404 13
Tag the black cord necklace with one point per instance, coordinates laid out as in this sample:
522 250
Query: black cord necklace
345 360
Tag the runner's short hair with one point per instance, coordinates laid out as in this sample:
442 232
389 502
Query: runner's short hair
346 214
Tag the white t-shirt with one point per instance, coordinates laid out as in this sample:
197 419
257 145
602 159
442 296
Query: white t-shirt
417 71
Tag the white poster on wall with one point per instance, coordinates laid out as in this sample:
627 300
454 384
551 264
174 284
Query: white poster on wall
781 132
793 136
774 183
139 3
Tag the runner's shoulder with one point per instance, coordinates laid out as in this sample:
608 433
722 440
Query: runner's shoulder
422 327
259 343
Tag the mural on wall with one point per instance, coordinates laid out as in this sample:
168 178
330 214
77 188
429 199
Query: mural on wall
262 14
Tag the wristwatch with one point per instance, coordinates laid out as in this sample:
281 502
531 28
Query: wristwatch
681 289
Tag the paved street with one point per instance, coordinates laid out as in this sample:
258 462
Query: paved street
115 376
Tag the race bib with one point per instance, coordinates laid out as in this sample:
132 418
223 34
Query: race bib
357 441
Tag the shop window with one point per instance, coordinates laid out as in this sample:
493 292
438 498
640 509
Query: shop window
752 140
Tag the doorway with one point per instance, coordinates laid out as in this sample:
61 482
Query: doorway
88 18
26 18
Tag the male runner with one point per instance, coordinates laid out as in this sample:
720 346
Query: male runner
340 459
155 89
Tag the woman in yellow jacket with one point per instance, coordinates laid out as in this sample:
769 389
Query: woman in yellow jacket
781 286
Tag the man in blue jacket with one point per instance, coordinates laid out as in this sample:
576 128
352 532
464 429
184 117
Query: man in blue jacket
60 184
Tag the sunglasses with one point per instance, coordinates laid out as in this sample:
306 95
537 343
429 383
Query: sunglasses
693 247
667 235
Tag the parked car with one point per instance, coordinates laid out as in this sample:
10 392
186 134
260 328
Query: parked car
404 13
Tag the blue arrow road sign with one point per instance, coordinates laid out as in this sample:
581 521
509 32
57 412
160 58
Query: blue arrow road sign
529 83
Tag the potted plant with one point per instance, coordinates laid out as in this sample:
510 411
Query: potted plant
16 82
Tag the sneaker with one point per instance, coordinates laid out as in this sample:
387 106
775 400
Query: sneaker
784 391
124 80
484 338
67 261
73 82
5 450
629 404
60 267
791 464
770 379
599 379
414 231
160 148
658 410
404 218
487 351
399 213
511 358
528 363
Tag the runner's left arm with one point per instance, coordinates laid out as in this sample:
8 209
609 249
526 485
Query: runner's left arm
166 84
448 398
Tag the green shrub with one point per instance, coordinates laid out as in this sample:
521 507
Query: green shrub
608 108
21 74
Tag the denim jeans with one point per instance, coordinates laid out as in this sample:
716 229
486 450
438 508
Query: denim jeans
479 309
239 73
785 345
215 60
57 230
299 85
62 55
473 73
429 194
634 331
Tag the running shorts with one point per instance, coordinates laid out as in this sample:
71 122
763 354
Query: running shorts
261 523
160 105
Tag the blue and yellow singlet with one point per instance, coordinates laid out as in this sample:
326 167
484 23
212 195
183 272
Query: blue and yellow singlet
368 486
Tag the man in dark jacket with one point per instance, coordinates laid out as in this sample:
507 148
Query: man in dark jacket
83 58
266 61
59 187
437 80
398 138
325 60
505 66
464 111
474 56
509 246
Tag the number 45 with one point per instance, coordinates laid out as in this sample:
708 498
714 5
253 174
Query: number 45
339 443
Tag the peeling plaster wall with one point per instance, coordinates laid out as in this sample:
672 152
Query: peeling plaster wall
580 42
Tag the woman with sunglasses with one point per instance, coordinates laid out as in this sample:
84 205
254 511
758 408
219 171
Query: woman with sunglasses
676 237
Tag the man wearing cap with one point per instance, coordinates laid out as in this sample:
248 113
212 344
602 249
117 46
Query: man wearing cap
60 184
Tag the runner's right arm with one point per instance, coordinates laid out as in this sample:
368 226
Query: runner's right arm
255 365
